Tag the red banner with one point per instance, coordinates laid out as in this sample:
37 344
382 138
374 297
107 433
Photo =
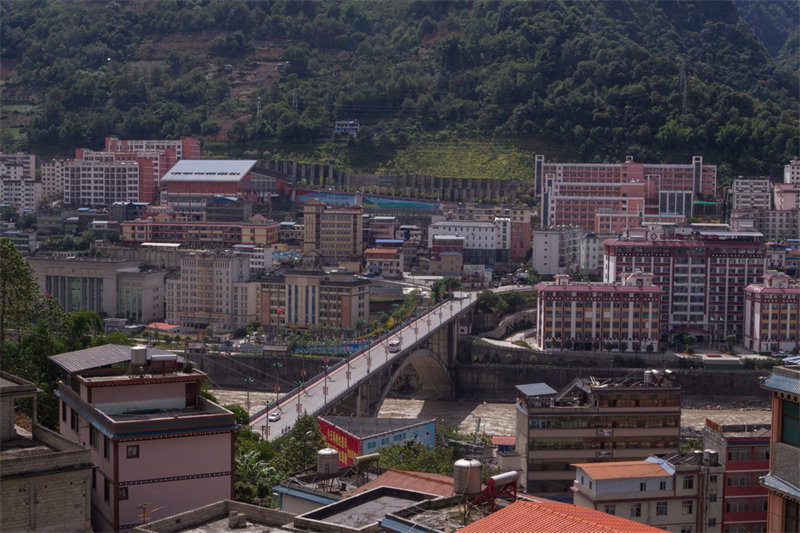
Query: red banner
345 444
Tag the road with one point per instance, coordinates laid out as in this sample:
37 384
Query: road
316 394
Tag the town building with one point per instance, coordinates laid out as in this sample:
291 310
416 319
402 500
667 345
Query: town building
386 262
212 289
332 235
628 194
201 235
679 492
589 420
751 193
356 436
786 196
702 268
590 253
556 250
261 259
18 164
112 288
226 209
221 516
100 180
24 242
23 194
308 298
783 479
159 447
188 186
446 264
485 243
791 171
591 316
772 314
53 176
743 449
774 224
45 480
520 223
381 227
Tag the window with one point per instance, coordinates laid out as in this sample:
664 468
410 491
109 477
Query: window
123 493
712 478
94 478
712 522
661 509
686 529
610 509
106 489
94 437
739 454
759 504
63 411
688 482
790 423
73 420
712 497
643 486
738 480
686 508
662 485
106 447
739 505
636 510
132 452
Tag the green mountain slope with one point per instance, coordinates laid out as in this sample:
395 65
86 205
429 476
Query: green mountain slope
445 87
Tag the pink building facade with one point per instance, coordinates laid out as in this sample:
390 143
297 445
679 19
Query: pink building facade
157 445
572 193
772 314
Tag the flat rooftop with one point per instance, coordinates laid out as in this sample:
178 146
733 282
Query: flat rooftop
363 427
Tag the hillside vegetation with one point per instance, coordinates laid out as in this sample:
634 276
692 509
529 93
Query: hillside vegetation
447 88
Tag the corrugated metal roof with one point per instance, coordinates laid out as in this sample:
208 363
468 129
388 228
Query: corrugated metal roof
209 170
775 483
782 383
98 356
535 389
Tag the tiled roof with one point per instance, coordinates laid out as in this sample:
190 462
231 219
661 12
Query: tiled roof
783 383
403 479
504 440
775 483
622 469
534 517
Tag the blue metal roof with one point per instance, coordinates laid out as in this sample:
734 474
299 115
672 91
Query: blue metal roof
775 483
536 389
782 383
299 493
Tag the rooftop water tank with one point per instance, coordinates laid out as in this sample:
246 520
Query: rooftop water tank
327 461
467 477
139 356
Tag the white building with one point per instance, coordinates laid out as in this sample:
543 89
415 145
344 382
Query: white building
21 193
212 290
556 250
53 176
791 172
98 183
485 243
18 164
751 193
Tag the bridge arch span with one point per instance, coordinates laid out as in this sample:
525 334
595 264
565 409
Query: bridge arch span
434 378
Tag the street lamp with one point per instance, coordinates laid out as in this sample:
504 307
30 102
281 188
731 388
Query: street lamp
277 366
299 384
247 382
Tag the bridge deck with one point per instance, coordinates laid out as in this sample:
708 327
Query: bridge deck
325 389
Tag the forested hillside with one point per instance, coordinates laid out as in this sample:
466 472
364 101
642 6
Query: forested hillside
442 87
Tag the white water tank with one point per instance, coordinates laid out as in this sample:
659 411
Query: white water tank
648 376
501 480
467 477
327 461
139 356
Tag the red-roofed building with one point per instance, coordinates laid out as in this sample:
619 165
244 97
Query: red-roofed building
419 481
545 517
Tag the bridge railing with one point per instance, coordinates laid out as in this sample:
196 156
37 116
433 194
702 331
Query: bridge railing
321 376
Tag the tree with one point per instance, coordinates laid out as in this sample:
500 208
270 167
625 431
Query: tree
19 293
299 447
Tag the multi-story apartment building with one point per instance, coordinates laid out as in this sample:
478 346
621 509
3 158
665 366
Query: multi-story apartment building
53 177
186 148
786 196
557 250
387 262
677 492
630 193
519 215
21 193
45 480
775 225
590 316
590 253
213 290
100 181
772 313
210 235
19 164
743 450
188 185
791 171
485 243
703 270
783 479
309 298
751 193
381 227
593 421
158 446
333 234
114 288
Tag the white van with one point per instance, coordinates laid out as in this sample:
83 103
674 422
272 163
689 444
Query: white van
394 346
